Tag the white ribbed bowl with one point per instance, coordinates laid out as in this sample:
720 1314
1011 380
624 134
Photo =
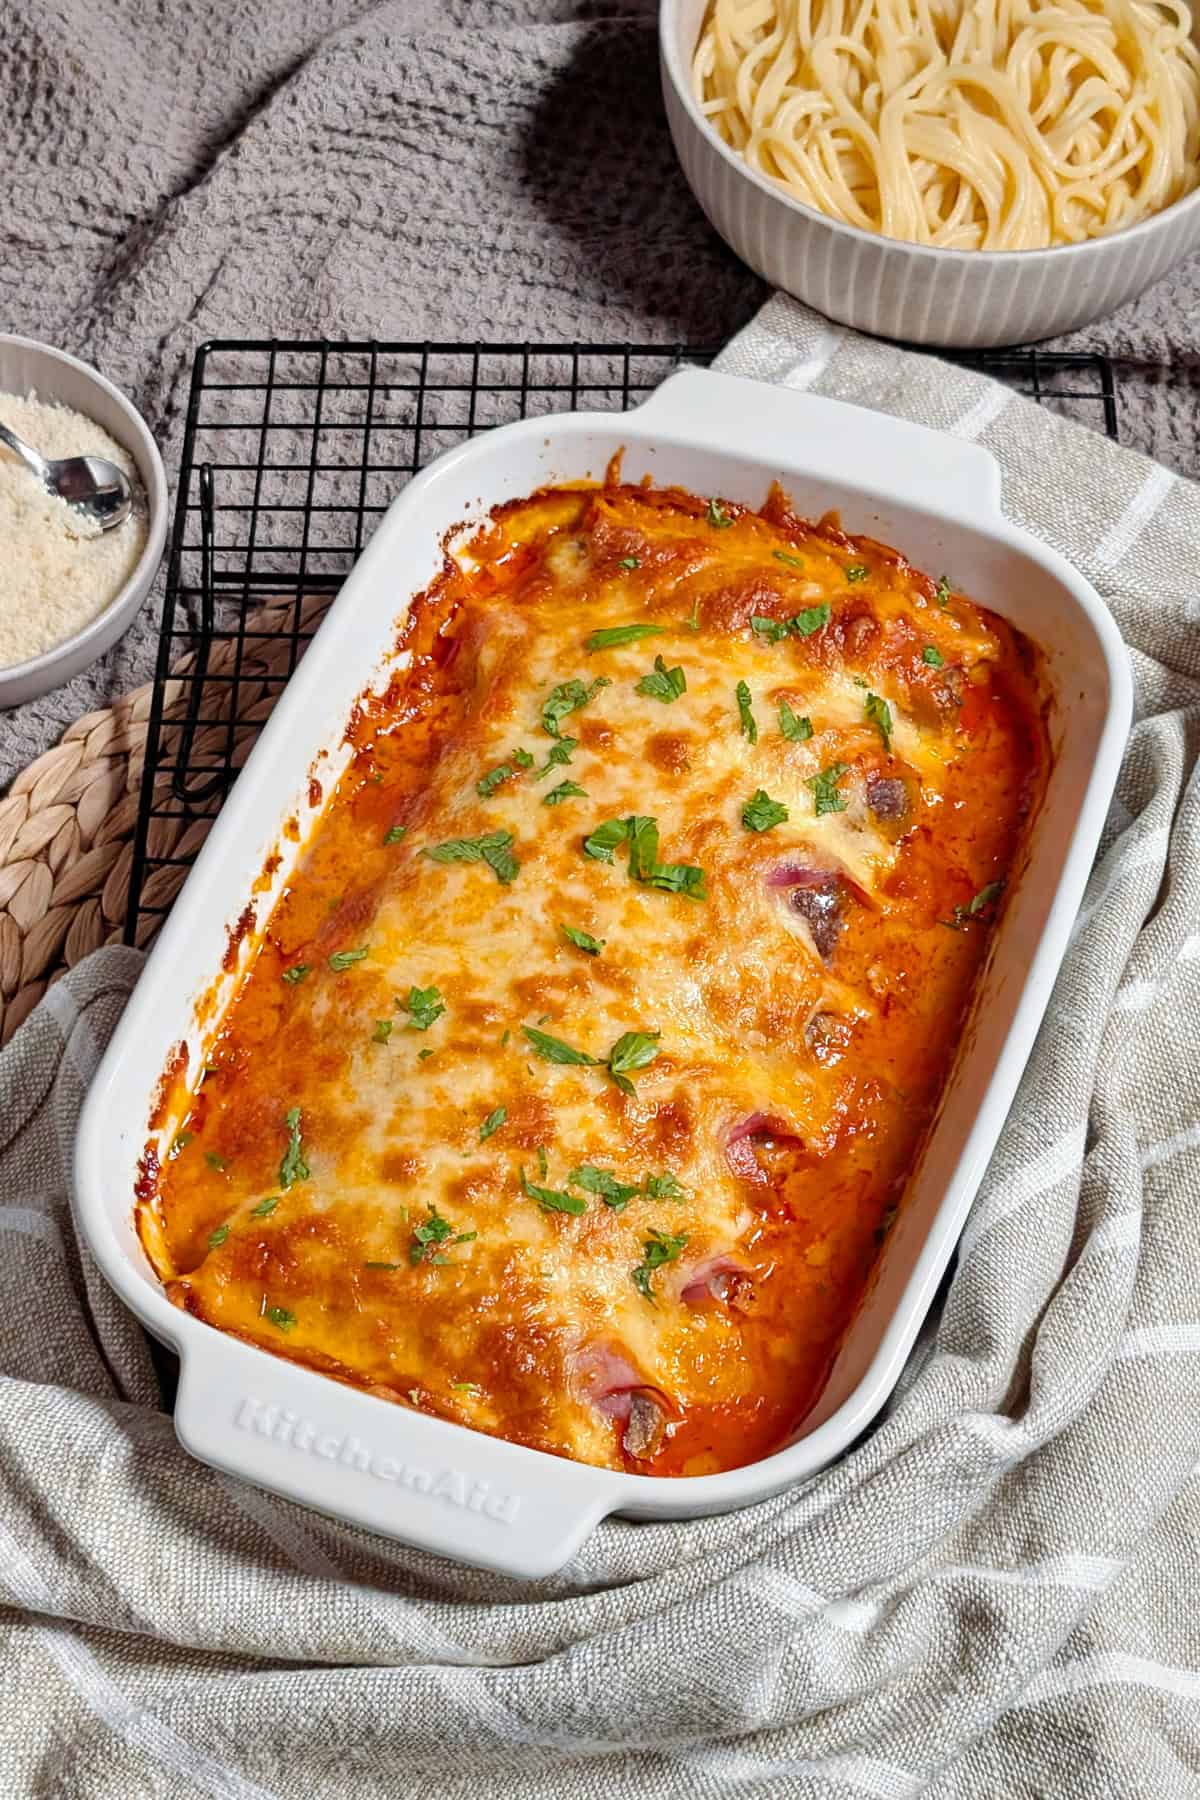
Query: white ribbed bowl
972 299
56 376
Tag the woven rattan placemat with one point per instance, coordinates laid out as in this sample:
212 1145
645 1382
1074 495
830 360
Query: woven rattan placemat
68 822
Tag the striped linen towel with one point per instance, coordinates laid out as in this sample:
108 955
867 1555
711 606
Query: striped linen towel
992 1595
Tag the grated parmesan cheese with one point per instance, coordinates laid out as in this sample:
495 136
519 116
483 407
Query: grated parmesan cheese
58 570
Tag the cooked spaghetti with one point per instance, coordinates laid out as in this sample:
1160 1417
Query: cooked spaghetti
994 126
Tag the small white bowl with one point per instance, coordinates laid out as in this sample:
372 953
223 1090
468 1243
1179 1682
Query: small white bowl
971 299
55 376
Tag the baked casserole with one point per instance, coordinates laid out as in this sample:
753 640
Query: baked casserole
580 1069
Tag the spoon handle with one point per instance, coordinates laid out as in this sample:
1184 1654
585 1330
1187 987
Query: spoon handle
28 456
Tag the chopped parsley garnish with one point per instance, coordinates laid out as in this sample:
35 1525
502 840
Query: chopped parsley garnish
281 1317
693 619
494 848
784 556
552 1199
811 619
566 790
217 1238
543 1161
179 1142
566 698
422 1055
933 656
642 836
383 1265
504 1038
433 1232
214 1161
801 624
679 878
717 517
630 562
265 1207
826 798
615 635
560 753
553 1050
663 683
857 572
942 593
424 1007
487 784
467 1387
296 973
749 728
975 905
601 843
880 714
383 1031
583 940
796 731
293 1167
523 759
394 833
632 1050
492 1124
761 813
346 959
660 1247
614 1193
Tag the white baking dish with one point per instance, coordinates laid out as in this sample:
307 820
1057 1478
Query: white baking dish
440 1485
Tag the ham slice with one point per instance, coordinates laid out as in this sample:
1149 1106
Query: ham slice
741 1140
818 896
797 874
739 1148
719 1281
615 1387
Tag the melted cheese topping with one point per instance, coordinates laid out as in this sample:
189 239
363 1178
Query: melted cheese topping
406 1189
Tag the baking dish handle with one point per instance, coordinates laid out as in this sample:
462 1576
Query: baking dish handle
383 1466
870 452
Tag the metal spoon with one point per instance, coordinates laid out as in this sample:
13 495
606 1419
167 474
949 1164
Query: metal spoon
91 484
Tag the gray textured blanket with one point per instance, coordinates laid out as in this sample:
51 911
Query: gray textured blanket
397 169
991 1596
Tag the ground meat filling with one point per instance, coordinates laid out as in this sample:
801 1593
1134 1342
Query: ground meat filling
887 797
644 1426
819 904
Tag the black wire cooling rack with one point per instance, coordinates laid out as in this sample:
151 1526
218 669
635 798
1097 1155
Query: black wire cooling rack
291 453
